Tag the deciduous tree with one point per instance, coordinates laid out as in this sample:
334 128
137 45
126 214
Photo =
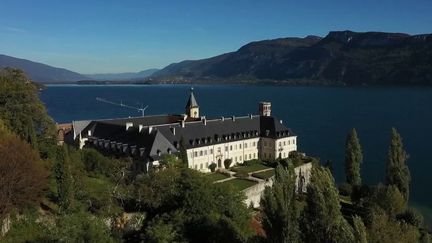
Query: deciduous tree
22 175
280 210
398 173
322 220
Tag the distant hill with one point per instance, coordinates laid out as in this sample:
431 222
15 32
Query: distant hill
39 72
122 76
342 57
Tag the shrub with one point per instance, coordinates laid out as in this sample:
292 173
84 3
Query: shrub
345 189
412 217
227 163
212 167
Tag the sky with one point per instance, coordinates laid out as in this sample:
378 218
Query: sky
110 36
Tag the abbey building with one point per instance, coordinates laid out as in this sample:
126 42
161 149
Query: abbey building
147 139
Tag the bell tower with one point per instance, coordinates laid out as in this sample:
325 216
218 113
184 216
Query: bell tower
265 108
192 107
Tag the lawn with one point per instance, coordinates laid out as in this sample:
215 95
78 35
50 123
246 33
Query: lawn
264 175
240 184
216 176
249 168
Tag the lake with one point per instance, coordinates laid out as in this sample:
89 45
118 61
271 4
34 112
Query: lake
320 116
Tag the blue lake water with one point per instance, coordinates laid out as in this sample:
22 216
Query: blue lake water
320 116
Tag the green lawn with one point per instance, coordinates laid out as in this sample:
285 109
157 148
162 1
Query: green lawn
250 168
264 175
240 184
216 176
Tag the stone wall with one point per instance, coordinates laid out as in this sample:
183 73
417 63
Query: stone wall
253 194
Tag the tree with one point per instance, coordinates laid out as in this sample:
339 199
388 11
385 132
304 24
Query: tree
385 229
280 210
227 163
192 206
183 154
390 200
359 230
22 175
397 170
63 178
322 220
353 159
20 104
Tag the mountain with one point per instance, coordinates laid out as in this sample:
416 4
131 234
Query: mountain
39 72
342 57
122 76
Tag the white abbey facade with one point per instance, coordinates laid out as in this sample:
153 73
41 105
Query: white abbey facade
207 141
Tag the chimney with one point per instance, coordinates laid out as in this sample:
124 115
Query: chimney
140 128
233 118
182 123
250 116
128 125
89 132
204 120
173 130
150 129
265 108
222 118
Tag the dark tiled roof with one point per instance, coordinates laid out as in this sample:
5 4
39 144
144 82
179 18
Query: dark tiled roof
166 131
198 134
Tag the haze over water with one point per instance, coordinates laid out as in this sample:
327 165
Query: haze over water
320 116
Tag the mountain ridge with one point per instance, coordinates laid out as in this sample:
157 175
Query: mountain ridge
341 57
39 72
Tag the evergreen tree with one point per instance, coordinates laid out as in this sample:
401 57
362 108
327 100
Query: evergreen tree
359 230
63 178
353 159
183 153
322 220
280 211
397 170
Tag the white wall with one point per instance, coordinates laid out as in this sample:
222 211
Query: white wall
238 151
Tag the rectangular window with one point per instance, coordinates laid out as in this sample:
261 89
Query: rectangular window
205 152
196 154
196 167
230 147
289 142
201 153
240 158
240 146
236 159
211 151
201 166
250 156
293 141
245 145
226 148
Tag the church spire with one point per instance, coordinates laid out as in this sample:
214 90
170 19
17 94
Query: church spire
192 107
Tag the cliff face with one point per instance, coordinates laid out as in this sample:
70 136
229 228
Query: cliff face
342 57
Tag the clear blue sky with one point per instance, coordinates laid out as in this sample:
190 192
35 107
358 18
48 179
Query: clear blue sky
95 36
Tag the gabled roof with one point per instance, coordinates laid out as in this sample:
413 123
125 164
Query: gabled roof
192 101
